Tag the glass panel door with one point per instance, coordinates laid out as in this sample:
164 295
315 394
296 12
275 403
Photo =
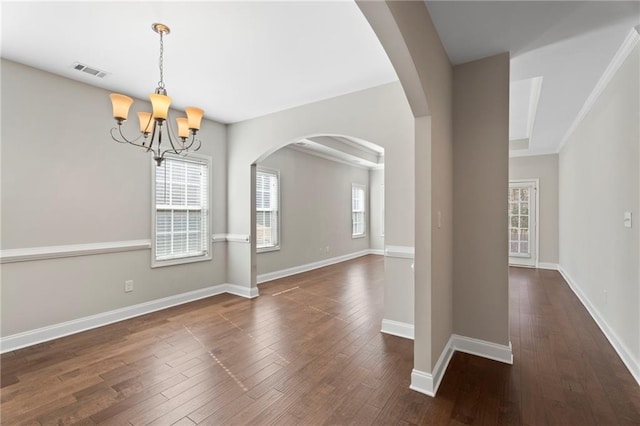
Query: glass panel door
522 244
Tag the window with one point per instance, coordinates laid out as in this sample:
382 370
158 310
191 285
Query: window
357 210
181 211
267 210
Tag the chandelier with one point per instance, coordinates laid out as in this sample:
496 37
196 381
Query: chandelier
152 129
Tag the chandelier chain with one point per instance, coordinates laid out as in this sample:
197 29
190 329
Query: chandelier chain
161 82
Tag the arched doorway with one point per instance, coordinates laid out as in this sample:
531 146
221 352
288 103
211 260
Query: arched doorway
380 115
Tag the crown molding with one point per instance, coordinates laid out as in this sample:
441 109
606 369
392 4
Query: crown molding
618 59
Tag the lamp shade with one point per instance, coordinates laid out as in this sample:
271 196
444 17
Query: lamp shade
194 116
160 104
121 105
183 127
146 122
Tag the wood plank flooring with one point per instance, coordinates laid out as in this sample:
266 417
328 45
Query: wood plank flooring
309 351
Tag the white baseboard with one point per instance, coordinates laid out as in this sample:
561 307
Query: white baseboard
422 382
632 365
396 328
546 265
404 252
379 252
44 334
428 383
269 276
242 291
482 348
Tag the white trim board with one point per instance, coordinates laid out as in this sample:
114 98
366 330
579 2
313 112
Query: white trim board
218 238
404 252
547 265
238 238
632 365
269 276
71 250
396 328
618 59
482 348
238 290
55 331
428 383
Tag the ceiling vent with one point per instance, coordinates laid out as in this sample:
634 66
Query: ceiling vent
89 70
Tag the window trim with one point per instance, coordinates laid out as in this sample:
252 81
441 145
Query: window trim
279 210
382 210
364 211
155 263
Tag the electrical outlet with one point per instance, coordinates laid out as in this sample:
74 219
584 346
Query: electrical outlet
128 286
326 249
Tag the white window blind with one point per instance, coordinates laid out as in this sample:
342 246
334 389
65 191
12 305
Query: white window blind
181 209
357 210
267 209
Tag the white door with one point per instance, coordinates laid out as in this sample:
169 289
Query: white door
523 244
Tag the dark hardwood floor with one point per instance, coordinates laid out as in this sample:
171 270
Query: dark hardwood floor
309 351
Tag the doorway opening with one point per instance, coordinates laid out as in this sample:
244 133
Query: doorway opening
317 201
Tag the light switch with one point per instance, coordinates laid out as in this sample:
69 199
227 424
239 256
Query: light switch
627 219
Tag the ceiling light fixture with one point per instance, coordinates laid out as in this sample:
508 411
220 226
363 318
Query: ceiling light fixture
152 123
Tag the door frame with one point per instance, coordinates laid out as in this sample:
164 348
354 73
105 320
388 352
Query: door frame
536 182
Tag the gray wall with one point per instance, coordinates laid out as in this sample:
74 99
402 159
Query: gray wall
315 210
544 168
64 181
599 181
376 215
481 174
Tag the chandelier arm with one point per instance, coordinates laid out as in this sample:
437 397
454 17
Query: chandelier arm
171 136
124 138
153 135
187 147
193 140
173 148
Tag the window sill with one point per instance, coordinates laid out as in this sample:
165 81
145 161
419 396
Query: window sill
353 237
179 261
267 249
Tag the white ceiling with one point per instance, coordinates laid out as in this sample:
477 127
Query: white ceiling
237 60
567 43
240 60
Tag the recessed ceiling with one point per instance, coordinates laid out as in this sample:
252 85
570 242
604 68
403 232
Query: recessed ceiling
523 105
567 43
351 151
237 60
